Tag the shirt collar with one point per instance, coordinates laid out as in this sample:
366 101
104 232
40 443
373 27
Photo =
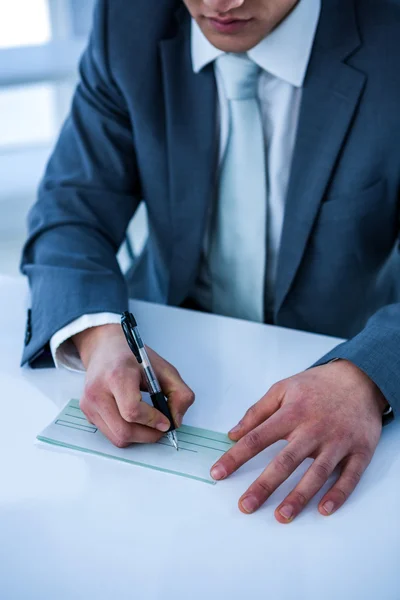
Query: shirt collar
285 52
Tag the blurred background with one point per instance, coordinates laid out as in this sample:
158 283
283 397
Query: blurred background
40 45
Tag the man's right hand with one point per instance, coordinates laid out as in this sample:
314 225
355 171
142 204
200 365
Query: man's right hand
112 398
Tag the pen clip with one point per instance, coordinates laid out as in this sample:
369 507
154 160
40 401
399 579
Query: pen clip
128 323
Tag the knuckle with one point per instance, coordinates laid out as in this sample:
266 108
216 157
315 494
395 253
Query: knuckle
230 462
344 494
342 437
89 401
286 462
300 498
120 443
90 396
252 441
322 469
299 389
171 371
84 405
122 438
276 388
89 415
295 412
251 412
87 410
263 487
119 373
364 452
353 478
115 375
131 412
189 398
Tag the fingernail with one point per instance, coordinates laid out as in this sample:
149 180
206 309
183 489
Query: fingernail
249 504
162 426
236 429
328 507
286 512
218 472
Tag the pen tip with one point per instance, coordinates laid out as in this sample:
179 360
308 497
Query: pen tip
173 439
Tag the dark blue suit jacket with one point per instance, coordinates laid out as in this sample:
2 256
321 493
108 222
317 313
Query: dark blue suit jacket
143 126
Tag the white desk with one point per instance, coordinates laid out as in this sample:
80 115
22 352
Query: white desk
74 526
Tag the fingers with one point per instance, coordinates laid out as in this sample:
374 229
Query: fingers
121 433
259 412
316 476
180 396
112 398
105 430
124 385
345 485
334 405
280 468
313 480
114 404
250 444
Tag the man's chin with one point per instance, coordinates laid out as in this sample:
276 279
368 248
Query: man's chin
234 44
230 42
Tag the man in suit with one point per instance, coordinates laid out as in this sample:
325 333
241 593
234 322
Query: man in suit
263 137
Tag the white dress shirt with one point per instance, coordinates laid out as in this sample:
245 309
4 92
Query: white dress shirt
283 57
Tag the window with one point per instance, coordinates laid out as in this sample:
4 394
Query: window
33 28
31 112
40 45
26 111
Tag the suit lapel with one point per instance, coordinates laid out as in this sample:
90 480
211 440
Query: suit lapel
331 95
190 104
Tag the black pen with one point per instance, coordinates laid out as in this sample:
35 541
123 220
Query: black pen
131 331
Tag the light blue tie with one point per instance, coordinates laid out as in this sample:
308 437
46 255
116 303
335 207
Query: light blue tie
238 241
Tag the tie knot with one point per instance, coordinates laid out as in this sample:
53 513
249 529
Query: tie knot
240 76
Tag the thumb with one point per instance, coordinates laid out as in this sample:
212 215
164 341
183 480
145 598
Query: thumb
259 412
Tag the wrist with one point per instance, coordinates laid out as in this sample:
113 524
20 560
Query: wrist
87 341
382 403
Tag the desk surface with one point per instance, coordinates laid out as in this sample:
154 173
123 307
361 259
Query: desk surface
75 526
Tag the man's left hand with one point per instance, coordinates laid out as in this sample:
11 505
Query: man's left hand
331 413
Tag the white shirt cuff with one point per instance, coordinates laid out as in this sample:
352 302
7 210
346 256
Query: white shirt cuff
62 347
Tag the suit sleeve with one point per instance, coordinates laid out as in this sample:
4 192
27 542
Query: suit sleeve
376 351
88 195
